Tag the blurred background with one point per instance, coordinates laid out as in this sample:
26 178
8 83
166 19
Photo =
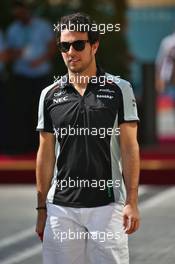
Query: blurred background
143 52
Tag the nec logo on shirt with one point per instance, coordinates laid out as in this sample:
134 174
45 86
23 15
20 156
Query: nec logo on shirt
60 100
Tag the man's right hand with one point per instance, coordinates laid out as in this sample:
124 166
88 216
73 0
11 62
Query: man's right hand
40 224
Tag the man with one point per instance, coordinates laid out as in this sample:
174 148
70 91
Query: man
85 213
31 46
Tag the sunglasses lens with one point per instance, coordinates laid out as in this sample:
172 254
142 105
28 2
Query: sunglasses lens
79 45
64 46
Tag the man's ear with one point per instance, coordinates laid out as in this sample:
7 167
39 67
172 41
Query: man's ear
95 47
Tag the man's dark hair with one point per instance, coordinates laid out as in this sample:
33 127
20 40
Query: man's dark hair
82 23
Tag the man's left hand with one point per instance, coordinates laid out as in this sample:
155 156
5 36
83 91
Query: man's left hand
131 219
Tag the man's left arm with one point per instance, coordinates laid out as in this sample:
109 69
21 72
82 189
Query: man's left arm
131 168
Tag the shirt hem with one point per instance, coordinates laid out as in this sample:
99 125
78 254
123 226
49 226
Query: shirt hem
68 204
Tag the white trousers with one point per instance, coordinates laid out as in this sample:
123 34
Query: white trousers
85 235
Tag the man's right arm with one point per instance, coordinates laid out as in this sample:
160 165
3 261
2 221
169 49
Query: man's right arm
44 172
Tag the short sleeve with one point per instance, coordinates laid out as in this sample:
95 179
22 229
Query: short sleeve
44 118
128 107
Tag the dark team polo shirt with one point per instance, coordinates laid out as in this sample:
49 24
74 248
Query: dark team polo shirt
88 170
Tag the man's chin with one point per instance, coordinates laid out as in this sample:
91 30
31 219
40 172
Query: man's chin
75 69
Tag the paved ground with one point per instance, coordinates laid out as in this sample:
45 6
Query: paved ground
152 244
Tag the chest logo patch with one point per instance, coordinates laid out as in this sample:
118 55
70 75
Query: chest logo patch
106 96
59 93
60 100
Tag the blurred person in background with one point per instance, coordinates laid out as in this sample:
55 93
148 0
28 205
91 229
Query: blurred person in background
165 67
31 47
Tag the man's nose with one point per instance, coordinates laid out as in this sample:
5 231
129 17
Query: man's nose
71 50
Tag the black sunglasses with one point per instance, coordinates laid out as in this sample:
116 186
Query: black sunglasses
78 45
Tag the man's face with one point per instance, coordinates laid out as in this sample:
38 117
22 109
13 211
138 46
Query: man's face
78 61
